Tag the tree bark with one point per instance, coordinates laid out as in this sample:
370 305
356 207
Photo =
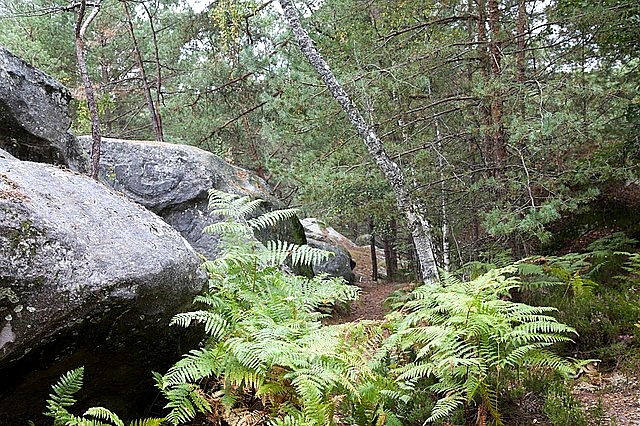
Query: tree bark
81 27
417 222
390 256
443 202
156 53
372 246
497 102
143 74
521 28
483 57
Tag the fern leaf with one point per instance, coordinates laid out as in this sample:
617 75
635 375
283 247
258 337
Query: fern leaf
215 325
101 413
185 401
63 391
196 365
445 407
271 218
148 422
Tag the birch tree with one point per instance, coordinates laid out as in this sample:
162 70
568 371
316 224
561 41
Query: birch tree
409 207
82 24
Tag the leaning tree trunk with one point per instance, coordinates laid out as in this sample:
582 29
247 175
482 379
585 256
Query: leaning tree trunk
80 31
143 75
418 223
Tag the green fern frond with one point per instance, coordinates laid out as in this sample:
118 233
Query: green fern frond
215 325
63 391
278 252
185 401
239 208
148 422
271 218
445 407
463 333
225 227
231 205
101 413
196 365
266 338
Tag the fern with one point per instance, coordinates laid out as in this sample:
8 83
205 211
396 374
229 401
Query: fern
263 335
101 413
271 218
62 398
467 335
279 251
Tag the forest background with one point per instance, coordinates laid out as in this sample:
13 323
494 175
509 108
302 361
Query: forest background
515 125
513 122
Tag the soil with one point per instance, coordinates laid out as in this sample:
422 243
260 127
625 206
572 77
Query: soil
618 395
370 305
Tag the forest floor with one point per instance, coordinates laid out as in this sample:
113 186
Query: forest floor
370 305
616 392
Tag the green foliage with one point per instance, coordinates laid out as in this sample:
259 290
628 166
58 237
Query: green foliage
62 398
596 292
265 341
469 336
562 408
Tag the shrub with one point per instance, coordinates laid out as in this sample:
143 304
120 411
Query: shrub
265 344
468 337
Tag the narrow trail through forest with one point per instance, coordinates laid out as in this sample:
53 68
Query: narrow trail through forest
370 305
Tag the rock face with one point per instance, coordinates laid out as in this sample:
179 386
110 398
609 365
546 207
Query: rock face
173 181
86 278
34 115
326 238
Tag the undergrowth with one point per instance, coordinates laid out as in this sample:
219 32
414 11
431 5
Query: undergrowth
266 352
62 399
471 350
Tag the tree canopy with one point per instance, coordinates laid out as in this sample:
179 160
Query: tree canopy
503 117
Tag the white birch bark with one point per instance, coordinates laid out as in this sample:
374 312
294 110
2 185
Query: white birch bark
418 223
81 27
443 203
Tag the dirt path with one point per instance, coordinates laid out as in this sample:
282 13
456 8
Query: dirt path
618 394
370 306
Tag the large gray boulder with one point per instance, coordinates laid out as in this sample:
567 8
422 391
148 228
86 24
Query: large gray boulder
173 181
34 115
86 278
324 237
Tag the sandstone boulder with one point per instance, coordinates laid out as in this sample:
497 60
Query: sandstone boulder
173 181
86 278
34 115
324 237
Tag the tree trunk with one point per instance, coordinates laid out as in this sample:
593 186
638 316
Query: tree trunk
443 205
107 121
497 102
390 256
80 31
145 83
417 222
443 199
374 256
483 60
156 53
520 57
